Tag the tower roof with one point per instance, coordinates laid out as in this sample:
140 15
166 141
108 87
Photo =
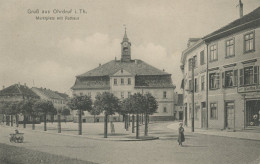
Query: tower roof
125 36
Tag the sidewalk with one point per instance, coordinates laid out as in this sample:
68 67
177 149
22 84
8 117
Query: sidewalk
238 134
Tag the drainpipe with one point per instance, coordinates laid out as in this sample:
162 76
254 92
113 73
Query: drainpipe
207 90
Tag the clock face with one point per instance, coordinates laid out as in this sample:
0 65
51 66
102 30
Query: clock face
125 44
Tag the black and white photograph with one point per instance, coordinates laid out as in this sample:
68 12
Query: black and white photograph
130 82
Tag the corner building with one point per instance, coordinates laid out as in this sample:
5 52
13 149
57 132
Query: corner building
226 76
125 77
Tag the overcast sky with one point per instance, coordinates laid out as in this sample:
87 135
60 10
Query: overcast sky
52 53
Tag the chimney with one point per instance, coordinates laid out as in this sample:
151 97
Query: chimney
240 8
99 64
24 84
3 87
163 70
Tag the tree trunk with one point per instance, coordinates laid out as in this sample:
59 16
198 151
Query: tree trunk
24 121
65 118
105 126
12 120
146 125
59 124
137 126
126 122
17 120
142 117
80 121
94 118
33 123
45 122
133 123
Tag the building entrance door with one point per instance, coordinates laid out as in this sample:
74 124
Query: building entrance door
252 112
203 115
229 115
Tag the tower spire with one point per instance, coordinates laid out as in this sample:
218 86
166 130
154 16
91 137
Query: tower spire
125 36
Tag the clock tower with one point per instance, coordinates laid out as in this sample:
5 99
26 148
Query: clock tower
125 49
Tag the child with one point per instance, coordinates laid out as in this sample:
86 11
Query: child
181 134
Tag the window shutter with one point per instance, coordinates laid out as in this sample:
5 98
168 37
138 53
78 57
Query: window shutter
223 79
241 77
235 78
256 70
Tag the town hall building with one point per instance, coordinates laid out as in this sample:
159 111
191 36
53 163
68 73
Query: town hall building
125 77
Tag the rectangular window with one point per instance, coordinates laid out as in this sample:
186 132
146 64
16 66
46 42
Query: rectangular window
129 94
115 81
230 48
249 75
190 86
164 94
229 78
249 42
129 81
164 109
196 112
214 80
190 64
202 82
122 81
196 84
213 56
213 110
195 61
202 58
122 95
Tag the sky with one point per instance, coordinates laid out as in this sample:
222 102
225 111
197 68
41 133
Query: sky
50 54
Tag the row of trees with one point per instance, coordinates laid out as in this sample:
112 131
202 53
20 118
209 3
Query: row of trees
108 104
30 108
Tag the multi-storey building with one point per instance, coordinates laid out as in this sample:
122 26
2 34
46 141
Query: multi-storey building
59 100
125 77
16 93
226 76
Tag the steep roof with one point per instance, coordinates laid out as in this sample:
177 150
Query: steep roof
49 93
17 89
135 67
250 20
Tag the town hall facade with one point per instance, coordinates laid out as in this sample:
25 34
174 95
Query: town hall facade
125 77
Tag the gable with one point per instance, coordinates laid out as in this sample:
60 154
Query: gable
122 72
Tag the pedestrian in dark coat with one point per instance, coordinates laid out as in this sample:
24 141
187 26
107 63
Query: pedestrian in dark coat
181 135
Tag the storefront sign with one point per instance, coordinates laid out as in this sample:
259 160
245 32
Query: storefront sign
249 89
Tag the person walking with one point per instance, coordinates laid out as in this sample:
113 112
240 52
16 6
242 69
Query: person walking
181 134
